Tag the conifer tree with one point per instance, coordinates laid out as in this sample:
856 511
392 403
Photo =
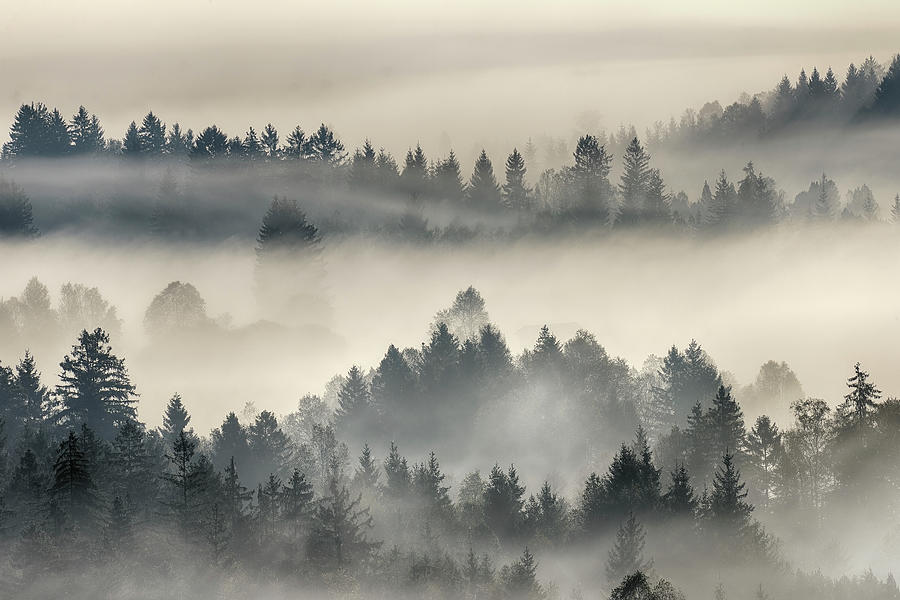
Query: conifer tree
297 504
764 447
503 502
727 508
427 483
515 190
484 191
367 476
520 579
269 142
175 420
86 133
95 388
634 184
16 216
73 491
627 554
339 538
131 145
397 475
725 423
353 413
680 499
414 177
152 136
34 398
448 181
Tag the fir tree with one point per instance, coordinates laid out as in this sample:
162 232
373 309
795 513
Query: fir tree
484 192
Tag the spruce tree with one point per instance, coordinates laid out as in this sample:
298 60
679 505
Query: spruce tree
627 554
175 420
339 537
728 509
397 475
484 191
86 133
680 499
353 414
515 191
16 217
634 183
152 136
73 492
448 181
95 388
131 145
297 504
764 447
269 142
367 475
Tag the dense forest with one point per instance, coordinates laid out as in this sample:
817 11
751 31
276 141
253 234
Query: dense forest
667 485
455 461
169 182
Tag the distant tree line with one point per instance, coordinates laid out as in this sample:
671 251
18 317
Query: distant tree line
580 193
89 491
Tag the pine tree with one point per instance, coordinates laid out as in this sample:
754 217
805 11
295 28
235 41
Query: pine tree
95 388
515 191
627 554
268 509
860 403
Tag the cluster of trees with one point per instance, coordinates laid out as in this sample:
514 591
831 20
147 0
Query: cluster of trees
867 93
84 484
581 192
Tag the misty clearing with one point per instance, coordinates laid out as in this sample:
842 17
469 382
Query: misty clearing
534 355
